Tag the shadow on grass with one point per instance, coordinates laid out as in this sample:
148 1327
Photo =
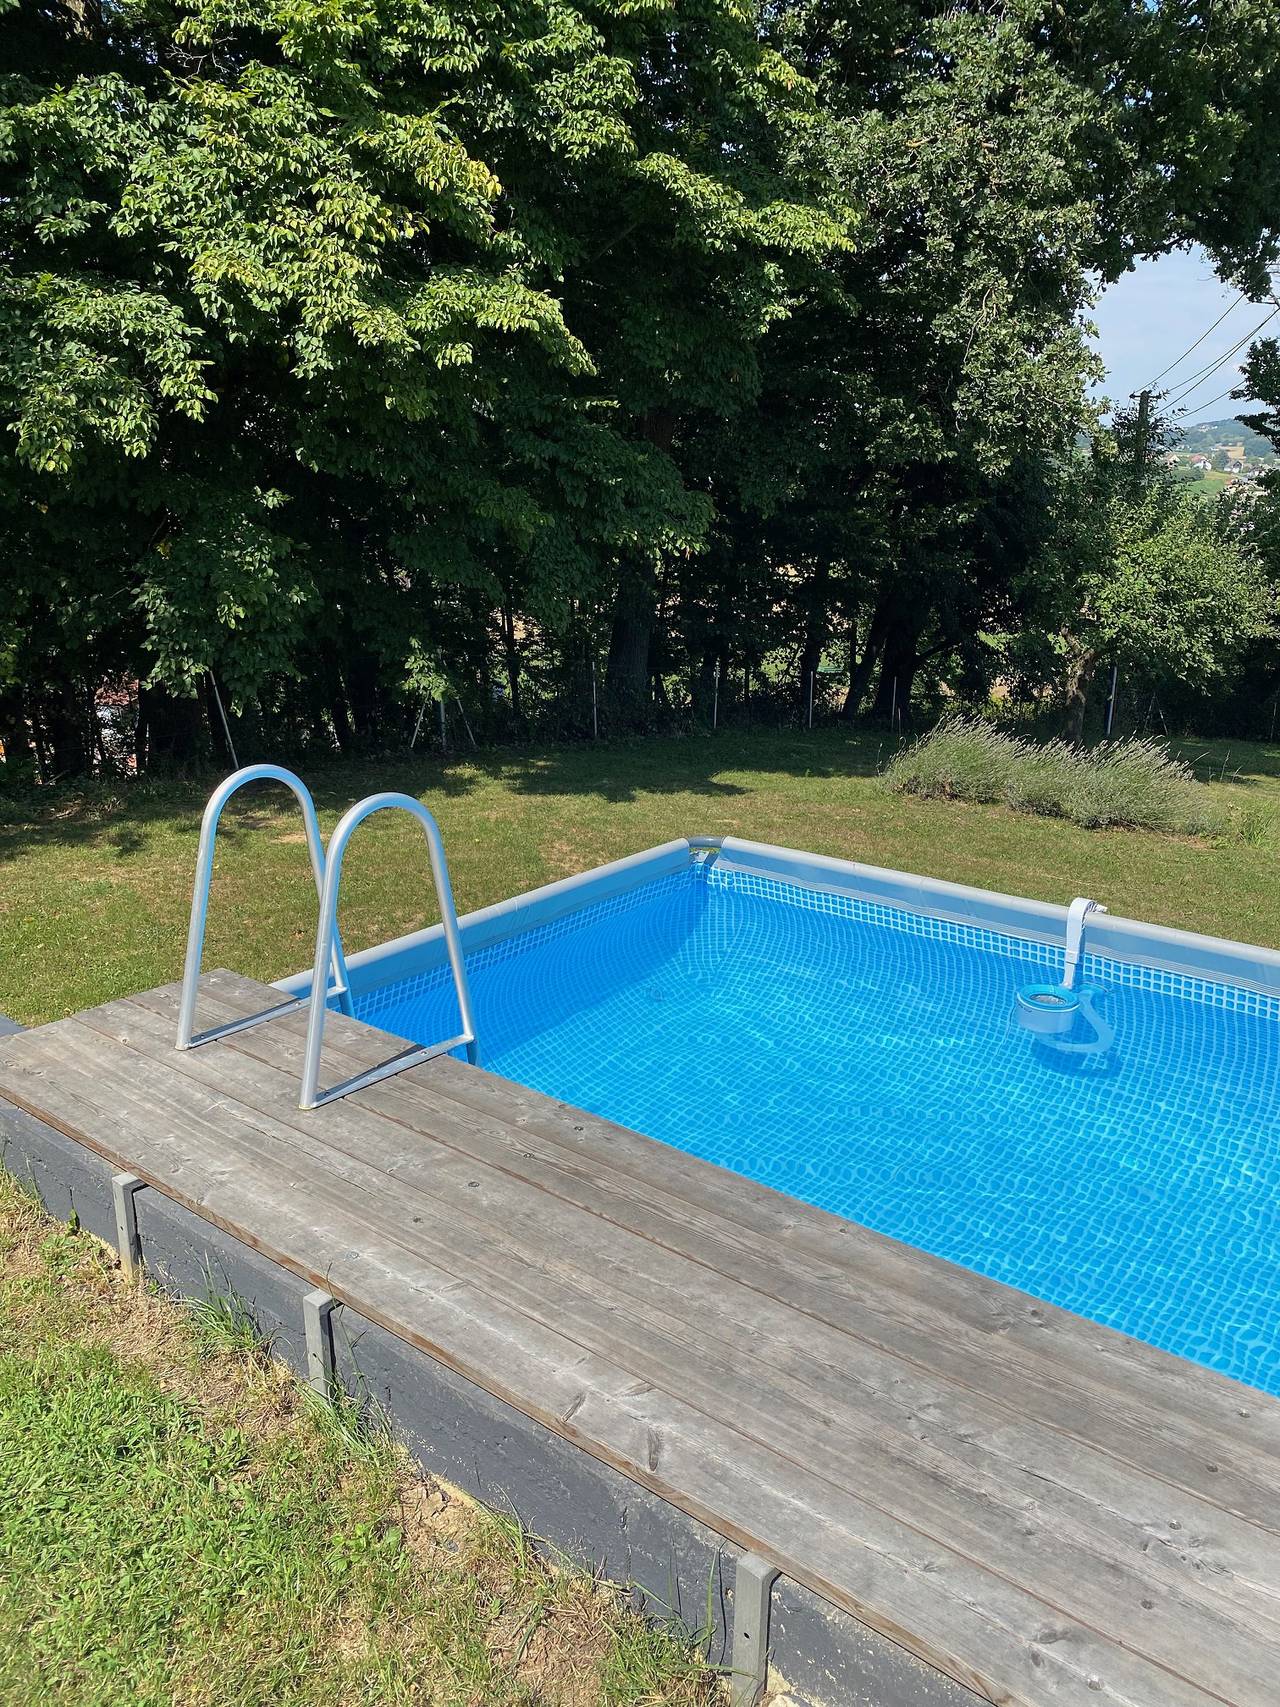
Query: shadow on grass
121 814
1248 764
620 772
125 813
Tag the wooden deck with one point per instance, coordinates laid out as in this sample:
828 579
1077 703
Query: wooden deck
1043 1510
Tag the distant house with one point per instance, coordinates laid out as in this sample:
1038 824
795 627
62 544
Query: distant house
1201 464
1235 465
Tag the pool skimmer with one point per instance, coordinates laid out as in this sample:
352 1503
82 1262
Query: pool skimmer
1049 1010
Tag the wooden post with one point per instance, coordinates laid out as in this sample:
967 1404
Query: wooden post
1143 429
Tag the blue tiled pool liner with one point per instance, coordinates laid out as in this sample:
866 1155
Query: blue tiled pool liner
865 1058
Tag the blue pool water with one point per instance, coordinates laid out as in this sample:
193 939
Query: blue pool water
869 1063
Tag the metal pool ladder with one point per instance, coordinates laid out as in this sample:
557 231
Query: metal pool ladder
188 1037
327 873
327 935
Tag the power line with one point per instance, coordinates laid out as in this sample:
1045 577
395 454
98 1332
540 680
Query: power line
1151 383
1217 399
1183 406
1185 387
1202 378
1210 368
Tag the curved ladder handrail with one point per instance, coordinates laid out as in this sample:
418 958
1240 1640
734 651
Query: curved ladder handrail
187 1039
311 1095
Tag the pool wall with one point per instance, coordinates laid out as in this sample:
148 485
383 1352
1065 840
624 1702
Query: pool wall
421 951
1130 943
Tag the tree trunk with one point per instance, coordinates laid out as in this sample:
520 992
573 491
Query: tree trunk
15 737
65 727
1081 670
341 720
898 669
627 672
173 728
141 732
363 697
511 659
861 672
704 686
815 636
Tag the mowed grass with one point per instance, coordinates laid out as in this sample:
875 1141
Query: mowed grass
181 1526
95 888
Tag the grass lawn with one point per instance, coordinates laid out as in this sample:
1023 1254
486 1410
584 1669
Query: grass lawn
94 891
1212 484
181 1524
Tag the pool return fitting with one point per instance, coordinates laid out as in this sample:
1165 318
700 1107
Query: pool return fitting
1048 1010
329 971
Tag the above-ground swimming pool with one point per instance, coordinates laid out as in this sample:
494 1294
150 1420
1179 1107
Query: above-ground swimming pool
849 1037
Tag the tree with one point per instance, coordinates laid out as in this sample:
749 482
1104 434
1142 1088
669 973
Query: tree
320 324
689 260
1256 518
1007 156
1180 597
345 351
1262 380
1144 574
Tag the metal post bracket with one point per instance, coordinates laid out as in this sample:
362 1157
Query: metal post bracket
753 1581
124 1187
317 1313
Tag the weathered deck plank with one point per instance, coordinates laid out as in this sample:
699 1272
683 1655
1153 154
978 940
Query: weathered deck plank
785 1389
1040 1508
870 1398
1207 1436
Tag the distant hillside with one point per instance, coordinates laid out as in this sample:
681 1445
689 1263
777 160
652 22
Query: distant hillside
1204 437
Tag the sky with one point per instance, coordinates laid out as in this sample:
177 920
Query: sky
1150 317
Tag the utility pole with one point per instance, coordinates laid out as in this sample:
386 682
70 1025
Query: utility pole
1140 436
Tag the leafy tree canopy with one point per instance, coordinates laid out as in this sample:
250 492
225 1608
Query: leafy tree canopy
356 346
331 313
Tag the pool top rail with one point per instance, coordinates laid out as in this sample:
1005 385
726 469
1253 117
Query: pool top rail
1039 1508
1112 944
